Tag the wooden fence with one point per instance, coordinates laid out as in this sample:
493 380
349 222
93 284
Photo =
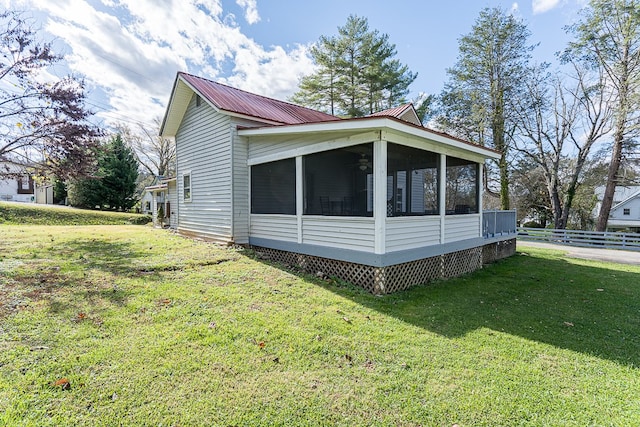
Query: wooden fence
592 239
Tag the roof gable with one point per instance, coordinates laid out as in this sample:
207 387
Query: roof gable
406 112
234 101
633 196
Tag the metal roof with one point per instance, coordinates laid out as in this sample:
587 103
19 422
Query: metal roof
392 112
240 102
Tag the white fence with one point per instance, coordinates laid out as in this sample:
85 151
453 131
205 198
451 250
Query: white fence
594 239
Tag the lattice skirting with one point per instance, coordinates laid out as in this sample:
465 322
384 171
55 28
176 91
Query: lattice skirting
398 277
496 251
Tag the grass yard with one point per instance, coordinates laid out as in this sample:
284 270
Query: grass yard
132 326
28 213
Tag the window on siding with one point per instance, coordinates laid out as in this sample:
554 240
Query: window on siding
273 187
339 182
412 181
462 186
186 187
626 211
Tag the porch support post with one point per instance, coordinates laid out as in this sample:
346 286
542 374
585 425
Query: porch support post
380 195
442 183
479 193
299 196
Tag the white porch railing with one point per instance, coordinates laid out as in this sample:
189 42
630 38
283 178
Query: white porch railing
594 239
498 223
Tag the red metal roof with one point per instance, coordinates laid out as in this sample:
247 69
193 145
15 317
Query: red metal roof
392 112
238 101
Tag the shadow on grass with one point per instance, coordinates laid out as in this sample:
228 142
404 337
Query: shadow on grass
70 288
587 309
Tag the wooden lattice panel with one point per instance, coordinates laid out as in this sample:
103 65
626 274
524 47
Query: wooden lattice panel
358 274
394 278
505 248
489 253
275 255
461 262
498 250
403 276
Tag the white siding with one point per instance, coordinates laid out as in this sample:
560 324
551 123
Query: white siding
172 197
270 146
634 210
203 144
461 227
412 232
241 184
339 232
276 227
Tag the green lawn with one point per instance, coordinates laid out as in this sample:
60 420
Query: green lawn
126 325
28 213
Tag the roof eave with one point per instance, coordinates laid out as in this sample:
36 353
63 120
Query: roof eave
367 123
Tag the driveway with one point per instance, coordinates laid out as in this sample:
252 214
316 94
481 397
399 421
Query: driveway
608 255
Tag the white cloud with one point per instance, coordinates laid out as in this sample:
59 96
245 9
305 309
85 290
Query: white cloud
250 10
130 50
542 6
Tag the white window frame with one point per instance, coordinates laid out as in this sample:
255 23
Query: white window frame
184 187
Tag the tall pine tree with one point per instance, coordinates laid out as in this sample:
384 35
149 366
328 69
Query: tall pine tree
119 172
356 73
487 77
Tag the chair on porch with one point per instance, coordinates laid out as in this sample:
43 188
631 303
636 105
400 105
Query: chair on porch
325 206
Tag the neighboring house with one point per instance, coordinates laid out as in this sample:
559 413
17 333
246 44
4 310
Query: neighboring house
18 186
162 204
379 201
625 210
146 202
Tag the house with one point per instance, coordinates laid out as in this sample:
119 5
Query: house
16 185
625 210
379 201
160 201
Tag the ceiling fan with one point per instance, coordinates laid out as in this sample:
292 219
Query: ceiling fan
364 163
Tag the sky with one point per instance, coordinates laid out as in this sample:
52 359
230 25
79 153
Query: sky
129 51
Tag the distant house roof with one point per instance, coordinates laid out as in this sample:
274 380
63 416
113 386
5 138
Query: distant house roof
238 102
404 112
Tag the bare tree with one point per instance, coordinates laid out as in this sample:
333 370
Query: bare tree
43 122
155 153
559 126
608 39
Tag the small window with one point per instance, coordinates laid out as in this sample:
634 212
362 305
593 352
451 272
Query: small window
626 211
198 101
186 187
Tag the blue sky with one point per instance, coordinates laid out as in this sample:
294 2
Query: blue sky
130 50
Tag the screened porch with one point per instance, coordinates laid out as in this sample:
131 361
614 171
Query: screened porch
329 198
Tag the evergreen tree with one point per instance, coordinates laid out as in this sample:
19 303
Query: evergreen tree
356 73
119 172
113 184
486 79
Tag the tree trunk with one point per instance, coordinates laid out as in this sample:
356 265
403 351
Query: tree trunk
612 180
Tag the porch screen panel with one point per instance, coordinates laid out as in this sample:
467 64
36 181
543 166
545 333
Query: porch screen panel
273 188
339 182
412 183
462 187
